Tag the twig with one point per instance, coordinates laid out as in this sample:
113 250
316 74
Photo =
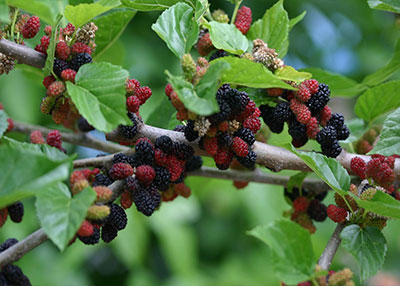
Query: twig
23 54
18 250
332 246
82 139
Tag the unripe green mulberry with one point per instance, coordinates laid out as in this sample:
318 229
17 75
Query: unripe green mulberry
220 16
47 104
98 212
188 67
368 194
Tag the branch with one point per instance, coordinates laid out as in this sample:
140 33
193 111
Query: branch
82 139
23 54
18 250
273 157
331 247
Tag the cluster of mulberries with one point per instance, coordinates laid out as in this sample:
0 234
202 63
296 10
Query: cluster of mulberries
306 207
136 95
159 170
229 133
104 219
380 169
15 211
365 143
11 274
305 111
53 139
25 26
9 120
70 54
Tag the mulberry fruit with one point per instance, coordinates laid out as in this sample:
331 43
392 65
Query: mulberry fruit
102 180
243 19
240 147
162 178
249 161
317 210
117 217
16 211
204 45
91 240
358 166
146 200
79 60
59 66
145 174
31 27
108 233
120 171
336 214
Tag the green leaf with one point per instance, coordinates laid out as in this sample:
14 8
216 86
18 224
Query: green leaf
210 82
149 5
378 100
389 140
385 5
3 122
99 95
48 67
368 246
60 215
296 181
175 26
111 26
381 204
292 252
247 73
338 84
273 28
294 21
328 169
16 183
289 73
40 8
385 72
83 13
357 128
227 37
200 99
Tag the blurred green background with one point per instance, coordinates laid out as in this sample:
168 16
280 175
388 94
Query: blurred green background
202 240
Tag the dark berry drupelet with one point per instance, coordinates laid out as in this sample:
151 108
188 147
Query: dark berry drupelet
59 66
249 161
108 233
15 276
190 133
164 143
297 130
344 133
132 183
268 115
179 128
193 163
117 217
16 211
145 152
182 151
327 136
93 239
102 180
79 60
336 120
162 178
84 126
246 135
146 200
224 139
317 210
218 54
121 158
318 100
332 150
8 243
129 132
282 112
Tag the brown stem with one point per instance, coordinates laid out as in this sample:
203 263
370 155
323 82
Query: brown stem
23 54
332 246
82 139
